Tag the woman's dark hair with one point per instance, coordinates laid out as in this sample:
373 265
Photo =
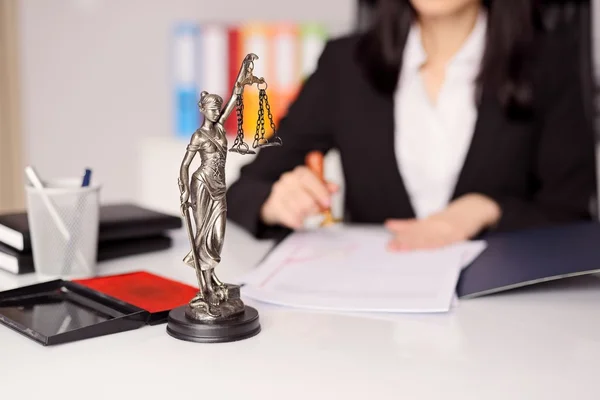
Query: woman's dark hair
504 70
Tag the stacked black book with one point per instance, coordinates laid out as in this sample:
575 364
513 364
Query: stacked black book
125 229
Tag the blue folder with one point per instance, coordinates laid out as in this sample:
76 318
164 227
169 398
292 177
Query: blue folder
528 257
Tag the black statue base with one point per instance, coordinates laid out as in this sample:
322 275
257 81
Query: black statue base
238 327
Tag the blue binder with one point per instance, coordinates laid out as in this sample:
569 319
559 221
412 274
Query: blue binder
523 258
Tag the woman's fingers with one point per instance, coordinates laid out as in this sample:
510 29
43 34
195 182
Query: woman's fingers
313 185
411 242
286 215
300 203
296 195
307 204
397 245
418 235
291 204
399 225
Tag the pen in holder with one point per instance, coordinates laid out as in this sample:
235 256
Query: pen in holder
64 220
76 224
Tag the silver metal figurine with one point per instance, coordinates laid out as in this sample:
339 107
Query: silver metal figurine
203 197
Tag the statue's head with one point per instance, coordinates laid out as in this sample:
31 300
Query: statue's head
210 106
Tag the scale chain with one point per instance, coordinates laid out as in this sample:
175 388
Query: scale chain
259 136
268 107
260 122
240 120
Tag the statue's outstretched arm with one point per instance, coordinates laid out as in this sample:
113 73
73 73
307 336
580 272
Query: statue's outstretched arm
244 78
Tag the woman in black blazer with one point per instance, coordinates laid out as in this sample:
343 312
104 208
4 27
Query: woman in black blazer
451 117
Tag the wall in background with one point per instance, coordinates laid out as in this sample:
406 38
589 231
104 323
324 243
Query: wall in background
96 76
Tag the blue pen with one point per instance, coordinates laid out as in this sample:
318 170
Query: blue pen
87 177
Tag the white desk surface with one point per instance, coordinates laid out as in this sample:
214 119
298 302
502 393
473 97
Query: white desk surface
538 343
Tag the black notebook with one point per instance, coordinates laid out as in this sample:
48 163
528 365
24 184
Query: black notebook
527 257
19 263
117 221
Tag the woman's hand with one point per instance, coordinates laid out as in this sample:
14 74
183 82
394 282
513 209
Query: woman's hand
296 195
461 220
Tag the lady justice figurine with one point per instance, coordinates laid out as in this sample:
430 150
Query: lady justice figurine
216 313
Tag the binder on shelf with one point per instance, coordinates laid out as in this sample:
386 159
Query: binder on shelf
213 61
210 56
254 38
234 63
184 71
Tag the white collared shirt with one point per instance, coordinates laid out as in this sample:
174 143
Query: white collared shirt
432 140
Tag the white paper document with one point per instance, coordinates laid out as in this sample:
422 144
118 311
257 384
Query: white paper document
349 269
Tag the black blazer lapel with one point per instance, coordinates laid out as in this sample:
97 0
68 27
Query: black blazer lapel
399 205
485 137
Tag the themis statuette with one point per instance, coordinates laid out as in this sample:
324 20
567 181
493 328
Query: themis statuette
216 313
